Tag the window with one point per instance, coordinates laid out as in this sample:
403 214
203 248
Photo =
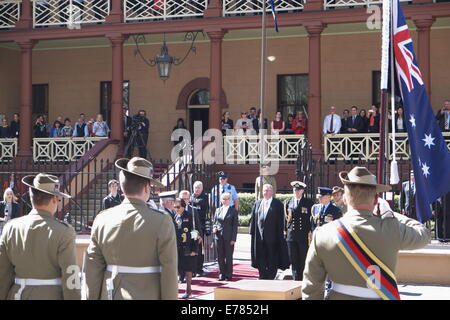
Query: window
40 99
201 97
292 94
376 87
105 98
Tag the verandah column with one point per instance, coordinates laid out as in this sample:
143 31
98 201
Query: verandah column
117 41
116 13
25 21
423 24
314 29
215 78
26 96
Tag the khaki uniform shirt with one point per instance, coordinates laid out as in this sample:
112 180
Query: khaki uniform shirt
265 180
38 246
384 237
132 235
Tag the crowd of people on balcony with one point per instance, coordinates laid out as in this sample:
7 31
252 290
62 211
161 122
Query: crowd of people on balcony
64 129
12 129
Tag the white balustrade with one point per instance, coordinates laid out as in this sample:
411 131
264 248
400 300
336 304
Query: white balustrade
242 7
9 13
70 13
8 149
142 10
333 4
240 149
62 149
366 146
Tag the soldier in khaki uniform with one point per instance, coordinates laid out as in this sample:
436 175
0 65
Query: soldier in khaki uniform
133 250
37 251
383 236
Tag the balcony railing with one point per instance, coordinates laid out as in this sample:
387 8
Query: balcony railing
8 149
246 149
75 13
366 146
9 13
347 4
141 10
70 13
62 149
242 7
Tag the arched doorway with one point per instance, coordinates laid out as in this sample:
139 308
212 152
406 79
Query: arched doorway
198 110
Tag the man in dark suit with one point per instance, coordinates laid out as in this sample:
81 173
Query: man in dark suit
14 126
126 130
268 246
324 211
408 197
114 198
344 121
355 122
443 117
225 228
298 228
441 212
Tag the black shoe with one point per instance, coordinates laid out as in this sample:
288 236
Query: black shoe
182 280
228 278
201 274
186 295
221 278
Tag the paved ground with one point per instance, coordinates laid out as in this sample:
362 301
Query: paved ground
408 291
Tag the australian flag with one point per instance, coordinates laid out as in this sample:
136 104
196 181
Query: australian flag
274 14
429 153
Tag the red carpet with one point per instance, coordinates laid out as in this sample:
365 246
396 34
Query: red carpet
207 284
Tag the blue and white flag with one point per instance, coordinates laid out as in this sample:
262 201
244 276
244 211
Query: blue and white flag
274 14
430 155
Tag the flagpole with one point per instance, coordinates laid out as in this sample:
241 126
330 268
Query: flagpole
381 165
394 178
262 91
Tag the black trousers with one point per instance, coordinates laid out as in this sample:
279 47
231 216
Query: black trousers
225 256
200 259
267 261
297 254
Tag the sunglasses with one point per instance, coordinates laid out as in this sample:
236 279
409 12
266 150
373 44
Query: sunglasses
225 198
177 207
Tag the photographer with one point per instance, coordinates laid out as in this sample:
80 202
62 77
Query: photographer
139 127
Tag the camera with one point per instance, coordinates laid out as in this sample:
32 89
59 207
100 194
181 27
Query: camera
244 123
136 122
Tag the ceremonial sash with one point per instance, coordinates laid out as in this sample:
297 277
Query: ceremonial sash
361 258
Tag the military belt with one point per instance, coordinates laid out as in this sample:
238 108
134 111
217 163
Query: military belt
34 282
114 269
354 291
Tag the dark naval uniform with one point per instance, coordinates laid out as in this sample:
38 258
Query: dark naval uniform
321 215
184 224
298 228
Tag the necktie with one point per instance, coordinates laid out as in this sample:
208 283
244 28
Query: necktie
322 211
414 188
447 121
353 119
331 125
